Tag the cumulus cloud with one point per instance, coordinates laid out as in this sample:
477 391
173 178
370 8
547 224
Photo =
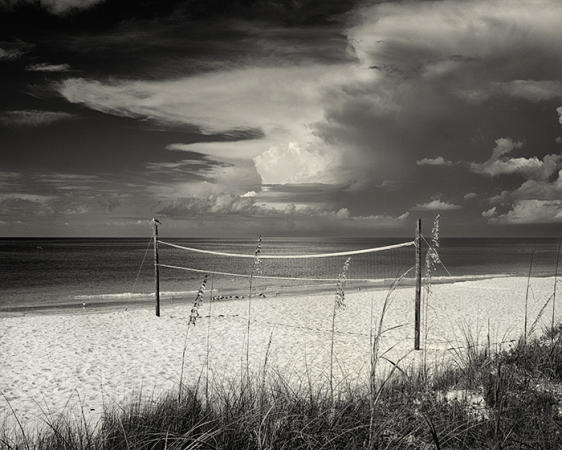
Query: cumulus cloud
489 213
296 164
436 205
33 117
45 67
499 164
535 189
529 212
470 196
224 205
437 161
213 204
559 111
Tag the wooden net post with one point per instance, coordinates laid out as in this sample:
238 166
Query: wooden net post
155 223
418 285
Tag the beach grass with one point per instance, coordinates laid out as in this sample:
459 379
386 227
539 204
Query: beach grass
507 399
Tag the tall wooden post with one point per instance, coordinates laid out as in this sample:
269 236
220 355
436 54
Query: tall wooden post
418 285
155 223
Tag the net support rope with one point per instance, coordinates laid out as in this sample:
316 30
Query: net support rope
315 255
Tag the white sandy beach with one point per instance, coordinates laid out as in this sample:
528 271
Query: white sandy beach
91 358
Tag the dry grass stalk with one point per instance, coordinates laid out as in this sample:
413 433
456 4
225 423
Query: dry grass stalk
539 315
376 355
432 259
256 268
193 316
554 288
339 303
527 298
264 369
209 340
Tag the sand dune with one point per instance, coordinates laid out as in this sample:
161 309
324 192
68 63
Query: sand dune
86 359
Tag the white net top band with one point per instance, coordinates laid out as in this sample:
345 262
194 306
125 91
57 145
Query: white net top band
316 255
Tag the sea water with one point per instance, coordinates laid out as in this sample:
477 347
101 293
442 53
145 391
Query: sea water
39 273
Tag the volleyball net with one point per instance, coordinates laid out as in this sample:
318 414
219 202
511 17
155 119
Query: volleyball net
276 266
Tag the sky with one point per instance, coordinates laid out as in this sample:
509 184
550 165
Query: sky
280 117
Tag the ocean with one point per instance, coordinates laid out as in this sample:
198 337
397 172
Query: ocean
97 272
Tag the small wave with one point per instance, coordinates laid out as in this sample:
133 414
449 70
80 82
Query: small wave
133 295
471 277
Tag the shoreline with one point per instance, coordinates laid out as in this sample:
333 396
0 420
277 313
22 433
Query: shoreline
100 304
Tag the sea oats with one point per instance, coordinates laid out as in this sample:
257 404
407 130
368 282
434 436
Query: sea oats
198 302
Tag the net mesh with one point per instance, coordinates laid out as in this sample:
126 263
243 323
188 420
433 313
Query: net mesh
285 268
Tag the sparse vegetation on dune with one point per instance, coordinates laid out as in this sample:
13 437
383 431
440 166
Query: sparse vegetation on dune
509 399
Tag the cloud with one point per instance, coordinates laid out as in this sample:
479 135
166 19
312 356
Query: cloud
225 205
489 213
478 29
12 50
380 120
470 196
559 111
9 179
542 187
382 220
296 164
33 117
17 205
45 67
532 167
535 190
54 6
277 105
271 99
530 90
437 161
529 212
222 204
247 148
37 198
10 54
249 194
436 205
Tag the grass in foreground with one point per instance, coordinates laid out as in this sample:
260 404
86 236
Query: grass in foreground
508 400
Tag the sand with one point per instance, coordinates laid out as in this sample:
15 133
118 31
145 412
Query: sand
83 360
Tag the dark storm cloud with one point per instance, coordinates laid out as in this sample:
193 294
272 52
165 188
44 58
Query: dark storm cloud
451 78
347 114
